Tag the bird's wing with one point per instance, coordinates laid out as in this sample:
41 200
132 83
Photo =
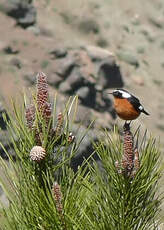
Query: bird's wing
136 103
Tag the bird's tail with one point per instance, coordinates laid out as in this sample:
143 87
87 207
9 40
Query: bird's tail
143 111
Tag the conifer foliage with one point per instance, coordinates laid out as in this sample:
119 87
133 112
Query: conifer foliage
45 193
126 191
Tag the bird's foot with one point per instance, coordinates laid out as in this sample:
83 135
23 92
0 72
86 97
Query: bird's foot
126 126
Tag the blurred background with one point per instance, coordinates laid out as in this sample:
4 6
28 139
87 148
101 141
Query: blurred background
86 48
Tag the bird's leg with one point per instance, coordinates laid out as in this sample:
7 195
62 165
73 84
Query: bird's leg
127 125
130 122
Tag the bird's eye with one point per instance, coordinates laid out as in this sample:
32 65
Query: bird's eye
117 94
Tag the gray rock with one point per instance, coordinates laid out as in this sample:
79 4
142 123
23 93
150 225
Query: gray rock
46 32
84 116
99 54
87 95
34 29
102 42
30 78
148 33
109 75
136 20
7 145
75 79
87 72
10 50
83 93
1 191
68 18
85 149
162 44
126 27
157 21
3 46
88 66
58 53
162 64
128 57
103 102
24 12
3 198
88 25
4 135
3 113
98 88
54 79
140 49
65 66
65 87
16 62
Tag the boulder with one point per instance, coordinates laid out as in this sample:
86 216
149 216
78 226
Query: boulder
98 54
129 57
16 62
58 53
23 12
4 136
109 75
3 117
85 148
89 25
87 96
85 71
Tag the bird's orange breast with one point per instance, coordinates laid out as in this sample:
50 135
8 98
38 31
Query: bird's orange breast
125 109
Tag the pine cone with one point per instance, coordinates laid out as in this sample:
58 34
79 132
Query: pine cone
59 124
47 112
42 90
57 196
128 151
30 116
37 153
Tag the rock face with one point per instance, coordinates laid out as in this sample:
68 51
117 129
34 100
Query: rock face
22 11
2 114
4 139
85 149
87 72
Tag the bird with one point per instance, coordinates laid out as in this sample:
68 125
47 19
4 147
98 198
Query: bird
126 105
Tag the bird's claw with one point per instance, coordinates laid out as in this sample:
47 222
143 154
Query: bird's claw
126 126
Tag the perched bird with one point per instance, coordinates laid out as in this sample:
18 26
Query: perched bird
126 105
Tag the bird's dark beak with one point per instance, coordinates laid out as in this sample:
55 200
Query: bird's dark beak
110 93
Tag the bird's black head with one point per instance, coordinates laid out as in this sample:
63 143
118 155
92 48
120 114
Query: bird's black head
117 93
121 93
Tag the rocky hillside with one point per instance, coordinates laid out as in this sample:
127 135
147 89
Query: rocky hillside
86 48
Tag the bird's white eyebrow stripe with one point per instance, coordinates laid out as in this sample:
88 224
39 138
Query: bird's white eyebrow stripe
124 94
